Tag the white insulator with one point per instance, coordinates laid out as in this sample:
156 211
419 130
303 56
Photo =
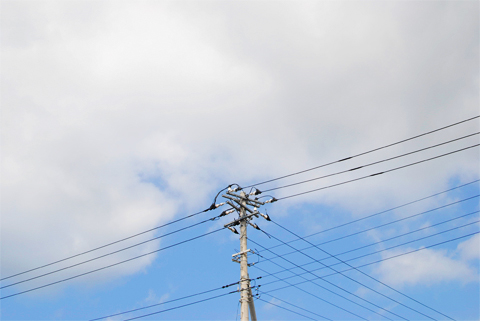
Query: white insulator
273 199
265 216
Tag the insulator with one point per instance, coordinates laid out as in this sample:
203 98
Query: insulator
271 200
218 205
255 192
233 229
227 212
211 208
265 216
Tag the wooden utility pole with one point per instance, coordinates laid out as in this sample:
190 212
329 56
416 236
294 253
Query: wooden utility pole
239 203
246 299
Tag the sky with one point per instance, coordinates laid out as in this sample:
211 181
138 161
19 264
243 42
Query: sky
120 116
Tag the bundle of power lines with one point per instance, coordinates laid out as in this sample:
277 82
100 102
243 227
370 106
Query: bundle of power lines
321 267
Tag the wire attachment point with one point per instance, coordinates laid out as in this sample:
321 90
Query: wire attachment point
231 228
272 200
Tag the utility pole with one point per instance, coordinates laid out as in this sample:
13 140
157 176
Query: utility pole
244 278
239 203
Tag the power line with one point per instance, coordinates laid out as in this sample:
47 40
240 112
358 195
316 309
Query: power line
405 243
326 282
388 239
379 251
363 153
359 266
319 298
385 259
385 224
384 211
107 254
212 207
180 306
417 230
369 164
296 306
379 173
164 302
420 249
103 246
296 274
323 279
367 275
111 265
202 222
279 306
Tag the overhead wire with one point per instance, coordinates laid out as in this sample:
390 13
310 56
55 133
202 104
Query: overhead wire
379 251
378 173
405 243
331 283
322 299
212 207
194 214
164 302
410 165
111 265
296 306
388 223
180 306
389 171
369 164
388 239
364 153
359 266
108 254
367 275
286 309
385 211
103 246
420 249
348 277
238 307
343 297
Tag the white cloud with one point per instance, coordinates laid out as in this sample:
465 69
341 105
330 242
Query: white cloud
153 298
470 249
270 305
117 116
424 267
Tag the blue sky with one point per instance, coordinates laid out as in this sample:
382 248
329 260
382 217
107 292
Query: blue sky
121 116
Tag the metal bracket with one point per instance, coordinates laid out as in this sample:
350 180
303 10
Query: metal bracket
246 198
247 202
237 221
235 207
243 252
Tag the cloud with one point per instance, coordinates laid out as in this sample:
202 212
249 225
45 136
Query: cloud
272 301
470 249
424 267
153 298
118 116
